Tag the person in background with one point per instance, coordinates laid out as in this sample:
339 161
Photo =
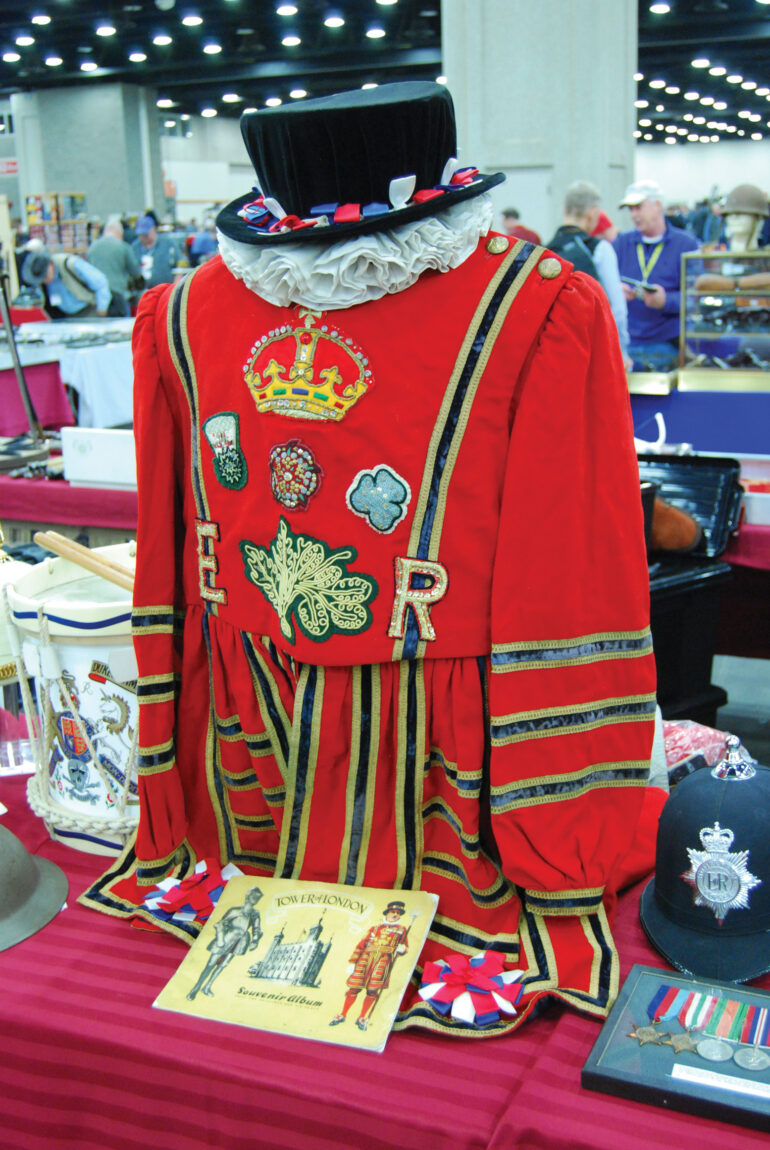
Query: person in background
157 254
512 227
649 261
204 244
71 285
118 262
575 241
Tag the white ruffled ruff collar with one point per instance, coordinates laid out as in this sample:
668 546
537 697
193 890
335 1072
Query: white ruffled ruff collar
361 269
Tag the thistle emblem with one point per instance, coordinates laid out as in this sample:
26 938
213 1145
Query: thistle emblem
721 877
305 579
222 433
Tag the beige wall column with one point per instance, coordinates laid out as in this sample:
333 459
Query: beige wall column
544 91
102 141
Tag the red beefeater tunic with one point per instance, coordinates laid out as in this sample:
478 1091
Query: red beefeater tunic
374 957
391 606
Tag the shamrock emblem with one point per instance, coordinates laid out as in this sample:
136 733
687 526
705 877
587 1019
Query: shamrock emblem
380 496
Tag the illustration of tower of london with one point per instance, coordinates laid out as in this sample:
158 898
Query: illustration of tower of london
296 962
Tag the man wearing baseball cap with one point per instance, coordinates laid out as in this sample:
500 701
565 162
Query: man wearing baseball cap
649 261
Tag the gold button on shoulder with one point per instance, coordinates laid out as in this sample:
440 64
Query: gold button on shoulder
549 268
496 245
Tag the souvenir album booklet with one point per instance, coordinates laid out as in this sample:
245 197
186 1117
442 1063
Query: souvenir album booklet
312 959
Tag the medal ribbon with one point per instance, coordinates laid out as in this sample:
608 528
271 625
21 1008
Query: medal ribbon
716 1017
646 265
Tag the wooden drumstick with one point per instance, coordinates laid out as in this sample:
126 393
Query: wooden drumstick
85 557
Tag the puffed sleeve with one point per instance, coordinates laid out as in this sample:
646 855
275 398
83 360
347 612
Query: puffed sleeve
572 675
158 601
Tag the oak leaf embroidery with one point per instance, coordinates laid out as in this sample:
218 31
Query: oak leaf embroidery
306 580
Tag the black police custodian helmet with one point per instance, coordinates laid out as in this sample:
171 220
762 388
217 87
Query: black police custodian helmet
351 164
708 908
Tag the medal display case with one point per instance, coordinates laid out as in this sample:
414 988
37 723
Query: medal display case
724 342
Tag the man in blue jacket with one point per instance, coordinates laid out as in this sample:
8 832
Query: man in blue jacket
650 261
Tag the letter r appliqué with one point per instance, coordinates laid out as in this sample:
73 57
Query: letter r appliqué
420 599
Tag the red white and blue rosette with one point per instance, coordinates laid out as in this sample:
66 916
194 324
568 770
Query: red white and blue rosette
191 899
476 990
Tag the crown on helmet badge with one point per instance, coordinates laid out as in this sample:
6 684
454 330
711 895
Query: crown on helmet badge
313 371
720 877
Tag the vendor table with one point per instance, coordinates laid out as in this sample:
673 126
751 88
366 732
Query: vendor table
88 1062
49 399
29 505
103 377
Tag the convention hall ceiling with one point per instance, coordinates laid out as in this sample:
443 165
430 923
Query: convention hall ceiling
704 65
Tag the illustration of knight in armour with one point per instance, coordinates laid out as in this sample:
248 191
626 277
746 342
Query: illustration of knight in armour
372 962
238 931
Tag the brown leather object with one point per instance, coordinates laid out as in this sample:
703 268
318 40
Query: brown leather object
672 529
711 281
755 280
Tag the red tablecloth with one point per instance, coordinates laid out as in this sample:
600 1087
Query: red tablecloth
48 398
87 1062
57 501
750 547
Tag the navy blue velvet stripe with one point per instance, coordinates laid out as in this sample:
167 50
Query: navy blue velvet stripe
580 904
187 382
473 786
216 771
514 655
565 787
275 719
481 899
232 728
138 620
148 690
362 775
411 633
410 767
303 757
143 762
276 658
570 720
476 942
471 845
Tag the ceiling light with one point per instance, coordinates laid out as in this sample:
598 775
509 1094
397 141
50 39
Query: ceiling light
442 80
245 110
687 116
286 10
692 95
164 102
759 91
333 21
637 135
641 103
162 40
25 41
645 123
273 102
375 32
669 140
208 112
298 93
741 132
699 119
211 50
692 136
366 87
385 3
736 79
700 62
670 127
53 61
749 85
660 9
11 57
705 139
718 71
231 98
658 127
137 57
657 83
756 135
648 135
638 76
706 100
106 30
660 107
291 41
681 131
744 115
41 18
720 106
89 66
169 123
185 116
672 90
192 21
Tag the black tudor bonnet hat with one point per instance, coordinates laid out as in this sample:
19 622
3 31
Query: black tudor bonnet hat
351 164
707 910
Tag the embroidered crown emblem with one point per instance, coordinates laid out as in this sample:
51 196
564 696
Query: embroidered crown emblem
309 372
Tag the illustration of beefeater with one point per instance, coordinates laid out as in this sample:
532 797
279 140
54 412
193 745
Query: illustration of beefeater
391 608
373 961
